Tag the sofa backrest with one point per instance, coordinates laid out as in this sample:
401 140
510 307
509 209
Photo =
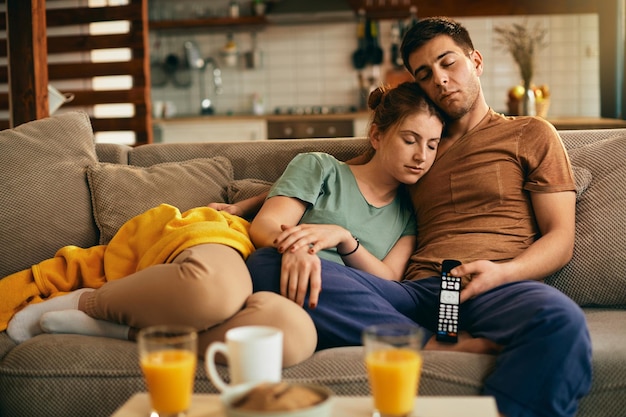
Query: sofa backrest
264 160
55 182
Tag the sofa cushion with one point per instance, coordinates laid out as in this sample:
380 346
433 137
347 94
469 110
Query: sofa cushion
120 192
595 275
239 190
44 195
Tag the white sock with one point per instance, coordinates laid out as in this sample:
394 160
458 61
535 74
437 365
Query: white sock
78 322
25 323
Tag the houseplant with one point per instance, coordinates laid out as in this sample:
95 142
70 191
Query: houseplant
522 43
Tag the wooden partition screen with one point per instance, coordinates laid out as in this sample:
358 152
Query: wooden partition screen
70 44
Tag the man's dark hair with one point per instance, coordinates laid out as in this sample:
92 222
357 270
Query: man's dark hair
429 28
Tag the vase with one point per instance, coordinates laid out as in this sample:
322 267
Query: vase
528 101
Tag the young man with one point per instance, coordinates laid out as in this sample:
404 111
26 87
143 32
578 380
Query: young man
500 198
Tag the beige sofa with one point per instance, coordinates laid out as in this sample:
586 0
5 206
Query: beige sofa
58 188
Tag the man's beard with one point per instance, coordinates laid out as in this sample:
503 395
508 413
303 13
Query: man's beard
459 109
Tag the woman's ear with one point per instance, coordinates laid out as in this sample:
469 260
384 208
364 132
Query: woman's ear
374 136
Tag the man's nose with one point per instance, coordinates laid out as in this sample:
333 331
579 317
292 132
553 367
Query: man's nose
440 77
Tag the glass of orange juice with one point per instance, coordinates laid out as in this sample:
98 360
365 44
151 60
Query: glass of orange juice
394 365
168 357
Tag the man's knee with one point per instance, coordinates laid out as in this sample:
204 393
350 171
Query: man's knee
566 315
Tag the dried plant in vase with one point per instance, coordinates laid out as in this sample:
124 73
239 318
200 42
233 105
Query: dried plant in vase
522 43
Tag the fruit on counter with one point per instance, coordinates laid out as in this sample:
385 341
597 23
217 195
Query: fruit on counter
516 92
542 92
539 103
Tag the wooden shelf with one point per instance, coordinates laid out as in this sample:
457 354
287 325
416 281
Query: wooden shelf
209 23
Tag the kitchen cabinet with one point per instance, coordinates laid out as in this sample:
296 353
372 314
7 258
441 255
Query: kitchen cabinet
209 129
360 125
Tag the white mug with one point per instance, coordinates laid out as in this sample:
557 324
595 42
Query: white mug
254 354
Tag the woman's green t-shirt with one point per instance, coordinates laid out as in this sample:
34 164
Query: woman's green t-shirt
333 197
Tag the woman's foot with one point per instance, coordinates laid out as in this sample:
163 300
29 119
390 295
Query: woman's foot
78 322
25 323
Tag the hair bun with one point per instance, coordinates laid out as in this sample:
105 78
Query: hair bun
376 97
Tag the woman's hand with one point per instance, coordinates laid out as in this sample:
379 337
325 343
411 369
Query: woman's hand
315 237
300 272
228 208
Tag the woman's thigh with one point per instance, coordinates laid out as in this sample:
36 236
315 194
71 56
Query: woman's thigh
203 286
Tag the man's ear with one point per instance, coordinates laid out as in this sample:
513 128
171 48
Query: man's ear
477 60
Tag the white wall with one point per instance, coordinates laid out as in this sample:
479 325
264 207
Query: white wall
311 65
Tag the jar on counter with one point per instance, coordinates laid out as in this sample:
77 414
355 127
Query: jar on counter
233 9
258 108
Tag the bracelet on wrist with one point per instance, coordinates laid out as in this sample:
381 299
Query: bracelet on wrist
358 243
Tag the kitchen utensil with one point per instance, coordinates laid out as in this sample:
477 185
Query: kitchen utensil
397 74
230 51
396 40
171 63
192 54
359 57
177 71
196 62
375 52
254 57
158 76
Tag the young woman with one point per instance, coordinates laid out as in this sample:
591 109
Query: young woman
205 282
161 267
328 220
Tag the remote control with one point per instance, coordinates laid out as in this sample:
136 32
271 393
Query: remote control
449 296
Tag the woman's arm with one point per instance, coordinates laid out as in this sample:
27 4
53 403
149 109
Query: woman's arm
274 213
322 236
392 267
247 208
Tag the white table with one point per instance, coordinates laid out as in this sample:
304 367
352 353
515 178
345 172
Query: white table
208 405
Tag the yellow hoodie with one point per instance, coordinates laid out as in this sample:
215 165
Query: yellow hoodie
154 237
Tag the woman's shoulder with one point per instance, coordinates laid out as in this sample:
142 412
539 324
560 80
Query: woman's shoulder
322 158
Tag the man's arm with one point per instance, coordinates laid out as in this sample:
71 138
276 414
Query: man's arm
555 216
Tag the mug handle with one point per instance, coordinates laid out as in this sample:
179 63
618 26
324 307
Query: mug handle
209 363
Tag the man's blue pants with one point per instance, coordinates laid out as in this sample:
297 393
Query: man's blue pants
543 370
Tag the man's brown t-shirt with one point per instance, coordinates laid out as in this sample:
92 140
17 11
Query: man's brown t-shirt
475 203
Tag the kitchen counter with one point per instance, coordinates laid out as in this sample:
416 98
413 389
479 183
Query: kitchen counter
240 127
578 123
561 123
268 117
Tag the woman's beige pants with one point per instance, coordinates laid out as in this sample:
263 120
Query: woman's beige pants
209 288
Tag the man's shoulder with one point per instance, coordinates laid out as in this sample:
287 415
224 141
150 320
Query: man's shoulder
520 126
527 122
